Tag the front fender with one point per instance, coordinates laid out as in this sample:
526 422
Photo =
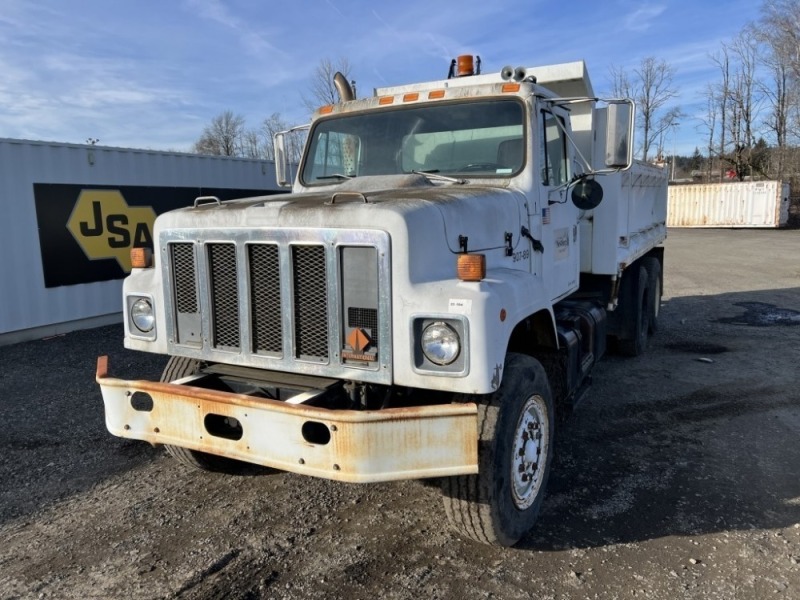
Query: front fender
491 309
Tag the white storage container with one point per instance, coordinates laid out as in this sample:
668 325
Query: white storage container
69 214
741 204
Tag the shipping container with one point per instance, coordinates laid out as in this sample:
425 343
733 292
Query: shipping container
71 213
740 204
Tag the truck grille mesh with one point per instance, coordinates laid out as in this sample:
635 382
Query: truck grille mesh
310 302
224 294
280 299
265 298
364 318
185 278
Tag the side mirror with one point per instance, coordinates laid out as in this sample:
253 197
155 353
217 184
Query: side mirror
619 134
282 171
587 194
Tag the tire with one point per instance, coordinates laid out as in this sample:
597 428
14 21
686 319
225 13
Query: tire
654 288
500 504
177 368
636 304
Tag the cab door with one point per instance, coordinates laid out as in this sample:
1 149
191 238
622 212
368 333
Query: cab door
556 218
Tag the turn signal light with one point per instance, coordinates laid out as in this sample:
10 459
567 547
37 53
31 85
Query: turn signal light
471 267
141 258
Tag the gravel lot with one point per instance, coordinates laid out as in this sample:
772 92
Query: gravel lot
679 477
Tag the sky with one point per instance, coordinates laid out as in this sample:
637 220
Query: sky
152 74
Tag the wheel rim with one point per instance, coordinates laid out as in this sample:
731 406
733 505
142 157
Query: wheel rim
531 443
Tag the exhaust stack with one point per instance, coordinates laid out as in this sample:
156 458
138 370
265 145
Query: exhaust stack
343 87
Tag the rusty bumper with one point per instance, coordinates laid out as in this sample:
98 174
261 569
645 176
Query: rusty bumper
345 445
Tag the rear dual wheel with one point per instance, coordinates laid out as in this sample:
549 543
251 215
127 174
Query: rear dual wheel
635 301
640 299
653 267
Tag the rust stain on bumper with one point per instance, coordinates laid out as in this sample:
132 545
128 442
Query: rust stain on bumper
363 446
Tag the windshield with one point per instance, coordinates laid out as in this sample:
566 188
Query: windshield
476 138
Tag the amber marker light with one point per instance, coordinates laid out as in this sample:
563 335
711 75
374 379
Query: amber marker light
510 87
471 267
141 258
435 94
386 100
326 110
411 97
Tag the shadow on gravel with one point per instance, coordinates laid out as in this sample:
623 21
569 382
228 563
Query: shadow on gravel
697 436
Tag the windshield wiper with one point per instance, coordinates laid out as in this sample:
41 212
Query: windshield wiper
335 176
434 175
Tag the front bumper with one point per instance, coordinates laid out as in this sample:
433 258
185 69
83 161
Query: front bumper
363 446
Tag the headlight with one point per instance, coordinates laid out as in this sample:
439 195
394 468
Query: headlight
142 315
440 343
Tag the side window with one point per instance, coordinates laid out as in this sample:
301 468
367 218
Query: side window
553 150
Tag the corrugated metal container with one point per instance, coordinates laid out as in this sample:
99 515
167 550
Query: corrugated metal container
52 279
741 204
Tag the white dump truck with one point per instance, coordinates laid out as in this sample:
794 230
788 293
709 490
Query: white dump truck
435 291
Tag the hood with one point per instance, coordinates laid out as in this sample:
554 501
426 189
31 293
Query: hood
481 214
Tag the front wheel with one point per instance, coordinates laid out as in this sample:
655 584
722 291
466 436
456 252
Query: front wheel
177 368
500 504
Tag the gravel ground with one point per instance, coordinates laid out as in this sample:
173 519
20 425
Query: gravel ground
678 477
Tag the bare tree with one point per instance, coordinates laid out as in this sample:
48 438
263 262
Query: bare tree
719 95
710 125
779 31
782 19
743 103
651 88
652 92
269 127
251 144
620 83
322 90
223 137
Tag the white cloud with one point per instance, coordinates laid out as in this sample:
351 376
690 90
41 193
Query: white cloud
643 17
153 73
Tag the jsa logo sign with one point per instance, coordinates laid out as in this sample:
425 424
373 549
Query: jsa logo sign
106 227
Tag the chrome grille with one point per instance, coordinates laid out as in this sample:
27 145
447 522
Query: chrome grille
224 295
310 302
283 299
265 298
185 278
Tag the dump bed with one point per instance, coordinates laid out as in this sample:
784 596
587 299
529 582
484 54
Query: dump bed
630 221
